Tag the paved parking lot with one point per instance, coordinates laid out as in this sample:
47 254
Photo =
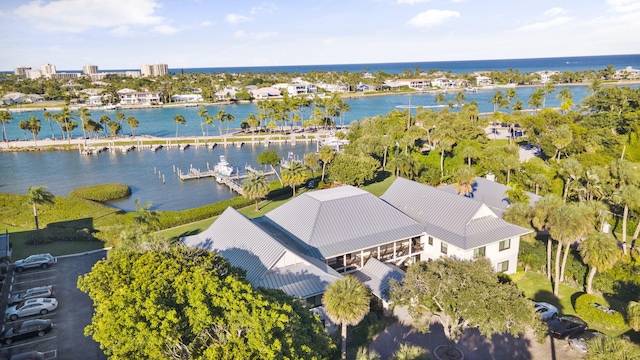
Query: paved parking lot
66 340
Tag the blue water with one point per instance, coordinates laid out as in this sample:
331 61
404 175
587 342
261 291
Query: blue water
159 122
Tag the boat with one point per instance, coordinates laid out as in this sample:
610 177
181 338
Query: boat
222 168
183 146
470 89
156 147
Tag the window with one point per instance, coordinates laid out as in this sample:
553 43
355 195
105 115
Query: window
314 301
443 247
503 266
431 240
479 252
505 244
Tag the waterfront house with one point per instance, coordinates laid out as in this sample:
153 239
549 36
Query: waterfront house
265 93
317 237
627 73
133 97
482 80
186 98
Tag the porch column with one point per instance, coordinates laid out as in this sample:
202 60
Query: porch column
361 259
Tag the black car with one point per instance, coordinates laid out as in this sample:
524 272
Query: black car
563 326
27 329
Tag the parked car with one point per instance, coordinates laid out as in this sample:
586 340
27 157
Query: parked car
31 307
31 355
36 292
563 326
34 261
578 341
546 310
27 329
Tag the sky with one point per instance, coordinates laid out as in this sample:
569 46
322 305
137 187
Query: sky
123 34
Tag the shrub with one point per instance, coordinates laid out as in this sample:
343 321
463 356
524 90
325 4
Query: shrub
622 281
102 192
170 219
596 317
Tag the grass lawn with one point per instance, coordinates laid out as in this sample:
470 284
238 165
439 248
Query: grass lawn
538 288
378 188
20 249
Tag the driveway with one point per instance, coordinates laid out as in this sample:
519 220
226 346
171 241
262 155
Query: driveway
74 312
473 345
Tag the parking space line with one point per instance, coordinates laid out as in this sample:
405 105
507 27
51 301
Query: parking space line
12 322
54 355
28 343
30 281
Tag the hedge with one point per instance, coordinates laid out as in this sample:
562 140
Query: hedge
596 317
102 192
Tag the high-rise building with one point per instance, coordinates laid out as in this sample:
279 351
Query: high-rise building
90 69
48 69
33 74
154 70
21 70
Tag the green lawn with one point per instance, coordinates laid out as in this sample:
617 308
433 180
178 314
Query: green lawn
20 249
538 288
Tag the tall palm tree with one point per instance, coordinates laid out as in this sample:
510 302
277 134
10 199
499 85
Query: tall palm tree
221 116
549 88
294 175
312 161
568 224
24 126
255 187
570 171
497 100
346 302
600 252
459 98
105 120
179 120
535 99
541 220
627 196
66 122
120 117
38 196
47 116
470 152
5 118
84 114
203 113
133 124
326 155
34 128
366 354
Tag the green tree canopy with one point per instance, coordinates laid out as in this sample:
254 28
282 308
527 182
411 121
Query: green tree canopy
255 187
352 170
452 289
269 158
189 303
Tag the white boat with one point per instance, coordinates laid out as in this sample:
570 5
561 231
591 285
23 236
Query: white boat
470 89
223 167
156 147
183 146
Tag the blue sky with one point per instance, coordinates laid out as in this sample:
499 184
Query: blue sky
123 34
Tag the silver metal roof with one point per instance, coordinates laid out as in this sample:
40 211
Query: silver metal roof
246 245
376 275
341 220
455 219
491 193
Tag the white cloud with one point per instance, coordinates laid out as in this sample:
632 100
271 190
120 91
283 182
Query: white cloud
267 7
545 24
206 23
165 29
121 31
412 2
236 18
554 11
255 35
624 5
78 16
432 17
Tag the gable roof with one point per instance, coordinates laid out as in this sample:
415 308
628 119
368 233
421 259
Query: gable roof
341 220
246 245
491 193
454 219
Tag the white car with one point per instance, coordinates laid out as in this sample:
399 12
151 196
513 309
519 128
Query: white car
546 310
36 292
31 307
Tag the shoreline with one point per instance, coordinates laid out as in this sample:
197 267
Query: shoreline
354 95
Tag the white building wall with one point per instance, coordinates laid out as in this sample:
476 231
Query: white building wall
288 259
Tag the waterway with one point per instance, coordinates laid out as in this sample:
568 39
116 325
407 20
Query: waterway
63 171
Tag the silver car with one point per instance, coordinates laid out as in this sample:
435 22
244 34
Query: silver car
36 292
34 261
31 307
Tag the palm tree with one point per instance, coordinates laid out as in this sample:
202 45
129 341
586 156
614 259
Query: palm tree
133 124
24 126
541 220
255 187
38 196
549 88
570 171
465 178
326 155
459 98
294 175
221 116
410 352
34 128
47 116
179 120
5 118
66 122
600 252
629 197
148 220
366 354
120 117
346 302
312 161
567 99
84 114
497 100
470 152
114 128
535 99
568 224
203 114
444 145
105 120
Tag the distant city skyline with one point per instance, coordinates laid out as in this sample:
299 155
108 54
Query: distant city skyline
124 34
